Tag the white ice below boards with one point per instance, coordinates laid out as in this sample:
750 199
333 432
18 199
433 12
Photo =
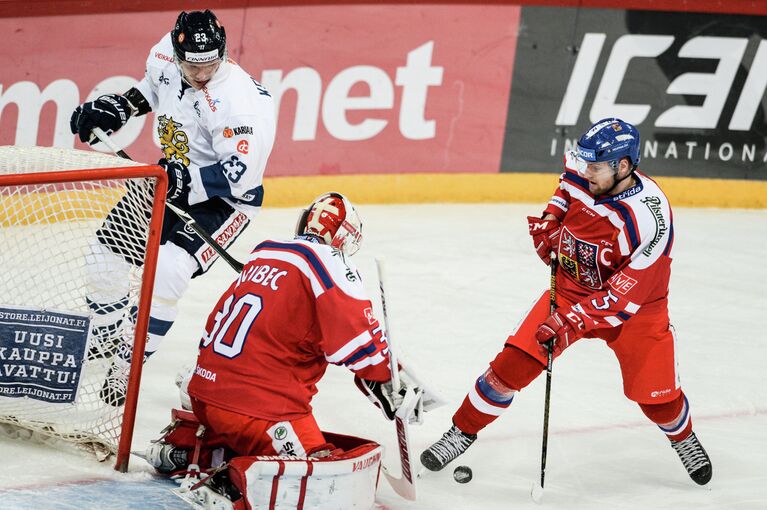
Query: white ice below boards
460 277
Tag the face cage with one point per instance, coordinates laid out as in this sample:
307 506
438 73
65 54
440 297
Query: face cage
348 238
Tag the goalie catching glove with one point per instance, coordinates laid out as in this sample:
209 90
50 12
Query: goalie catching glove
383 396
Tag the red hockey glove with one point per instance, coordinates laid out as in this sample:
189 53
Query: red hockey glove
545 236
561 329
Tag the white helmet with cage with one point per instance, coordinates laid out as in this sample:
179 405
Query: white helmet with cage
333 219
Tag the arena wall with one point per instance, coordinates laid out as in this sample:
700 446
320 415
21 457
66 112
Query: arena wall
435 101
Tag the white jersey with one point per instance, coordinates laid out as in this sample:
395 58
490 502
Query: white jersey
223 133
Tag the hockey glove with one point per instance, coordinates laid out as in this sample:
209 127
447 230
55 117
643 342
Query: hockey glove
109 112
382 395
545 236
179 183
560 329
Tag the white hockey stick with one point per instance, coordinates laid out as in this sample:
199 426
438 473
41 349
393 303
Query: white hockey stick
182 215
405 485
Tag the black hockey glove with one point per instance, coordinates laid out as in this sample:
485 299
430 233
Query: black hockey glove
109 112
382 395
179 183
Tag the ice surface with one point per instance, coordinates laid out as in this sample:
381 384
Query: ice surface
461 276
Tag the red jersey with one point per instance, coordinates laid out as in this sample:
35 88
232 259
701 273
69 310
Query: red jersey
614 251
296 307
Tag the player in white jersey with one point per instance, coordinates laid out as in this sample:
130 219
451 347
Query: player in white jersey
216 128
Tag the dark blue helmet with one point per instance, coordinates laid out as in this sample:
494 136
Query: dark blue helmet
198 37
610 140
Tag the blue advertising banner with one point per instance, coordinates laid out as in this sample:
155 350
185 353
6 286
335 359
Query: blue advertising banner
41 353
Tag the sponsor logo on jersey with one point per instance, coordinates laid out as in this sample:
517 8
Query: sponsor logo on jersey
660 393
163 56
351 275
654 205
369 315
164 79
621 283
205 373
280 433
633 190
242 146
211 102
174 142
239 130
288 448
197 109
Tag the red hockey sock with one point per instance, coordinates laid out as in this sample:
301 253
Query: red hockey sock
673 418
494 390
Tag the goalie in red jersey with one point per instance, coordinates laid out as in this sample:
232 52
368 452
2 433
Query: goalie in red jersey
296 307
611 229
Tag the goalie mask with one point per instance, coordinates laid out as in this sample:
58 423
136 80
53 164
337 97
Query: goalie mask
334 220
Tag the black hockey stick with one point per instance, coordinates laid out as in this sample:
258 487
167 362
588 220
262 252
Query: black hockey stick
537 491
182 215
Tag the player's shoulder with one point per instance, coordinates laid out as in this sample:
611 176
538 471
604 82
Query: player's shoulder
646 199
161 54
325 267
236 93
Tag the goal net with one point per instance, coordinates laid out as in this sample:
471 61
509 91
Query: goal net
79 233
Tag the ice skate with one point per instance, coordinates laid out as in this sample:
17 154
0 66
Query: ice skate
452 444
104 340
115 386
166 458
694 458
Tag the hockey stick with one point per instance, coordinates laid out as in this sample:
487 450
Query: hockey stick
537 491
182 215
404 486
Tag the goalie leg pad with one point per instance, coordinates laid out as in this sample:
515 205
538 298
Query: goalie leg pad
339 481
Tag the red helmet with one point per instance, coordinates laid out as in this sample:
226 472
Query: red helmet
332 218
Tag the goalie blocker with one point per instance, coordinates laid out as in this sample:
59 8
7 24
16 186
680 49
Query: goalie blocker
341 474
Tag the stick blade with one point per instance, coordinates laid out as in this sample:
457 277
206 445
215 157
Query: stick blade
401 486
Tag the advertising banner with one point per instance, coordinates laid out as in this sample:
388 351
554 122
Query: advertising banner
41 353
694 85
359 88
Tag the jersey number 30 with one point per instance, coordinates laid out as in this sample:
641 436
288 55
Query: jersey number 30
228 341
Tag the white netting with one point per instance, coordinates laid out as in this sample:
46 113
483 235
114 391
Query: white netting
71 255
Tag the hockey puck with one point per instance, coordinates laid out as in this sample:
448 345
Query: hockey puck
462 474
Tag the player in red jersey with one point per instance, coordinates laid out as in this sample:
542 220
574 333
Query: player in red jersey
297 306
612 230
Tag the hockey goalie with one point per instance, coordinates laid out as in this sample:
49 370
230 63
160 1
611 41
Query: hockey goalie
251 440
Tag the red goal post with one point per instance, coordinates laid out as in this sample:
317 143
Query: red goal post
55 207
